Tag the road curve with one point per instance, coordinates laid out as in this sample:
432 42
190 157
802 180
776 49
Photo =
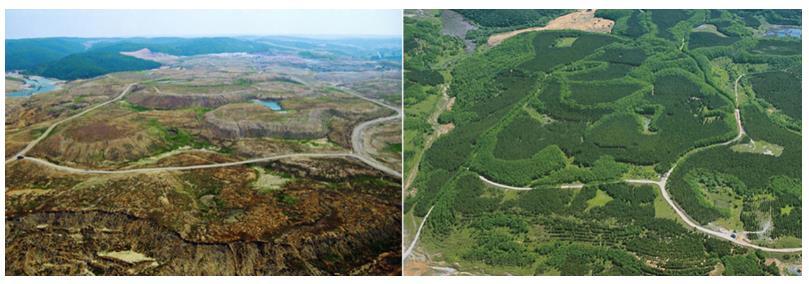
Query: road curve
726 236
416 238
500 185
357 134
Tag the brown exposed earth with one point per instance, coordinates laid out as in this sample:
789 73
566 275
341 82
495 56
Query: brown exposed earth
147 54
380 138
13 85
333 218
583 20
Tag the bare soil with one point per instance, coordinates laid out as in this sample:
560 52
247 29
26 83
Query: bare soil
582 20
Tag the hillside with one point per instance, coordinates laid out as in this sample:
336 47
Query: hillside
91 64
26 54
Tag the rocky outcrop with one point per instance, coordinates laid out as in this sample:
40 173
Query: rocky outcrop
307 126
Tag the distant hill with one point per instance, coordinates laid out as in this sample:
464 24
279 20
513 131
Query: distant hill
510 18
371 48
78 58
25 54
186 46
91 64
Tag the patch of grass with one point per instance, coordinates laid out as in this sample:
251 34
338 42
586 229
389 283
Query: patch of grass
601 199
199 112
176 137
539 117
226 150
786 242
286 198
663 210
241 82
268 181
393 148
133 107
727 202
15 79
759 147
786 210
287 80
640 172
565 42
36 132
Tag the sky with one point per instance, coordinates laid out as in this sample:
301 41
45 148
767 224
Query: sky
151 23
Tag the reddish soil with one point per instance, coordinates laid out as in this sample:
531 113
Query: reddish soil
97 131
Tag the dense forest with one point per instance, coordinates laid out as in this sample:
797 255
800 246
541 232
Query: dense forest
78 58
92 64
510 18
27 54
548 108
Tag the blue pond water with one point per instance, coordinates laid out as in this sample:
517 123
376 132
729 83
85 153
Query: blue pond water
784 32
35 85
273 105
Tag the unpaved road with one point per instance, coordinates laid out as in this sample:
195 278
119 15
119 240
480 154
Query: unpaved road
583 20
443 105
183 168
358 151
722 235
503 186
357 141
416 238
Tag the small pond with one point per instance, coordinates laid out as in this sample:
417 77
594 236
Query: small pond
271 104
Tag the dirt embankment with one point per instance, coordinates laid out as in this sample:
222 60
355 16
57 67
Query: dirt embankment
583 20
147 54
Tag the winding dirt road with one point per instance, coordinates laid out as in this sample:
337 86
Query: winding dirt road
416 238
443 104
358 152
357 134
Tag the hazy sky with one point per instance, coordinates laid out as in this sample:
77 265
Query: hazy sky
128 23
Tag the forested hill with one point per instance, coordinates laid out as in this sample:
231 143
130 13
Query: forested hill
511 18
25 54
77 58
91 64
185 46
